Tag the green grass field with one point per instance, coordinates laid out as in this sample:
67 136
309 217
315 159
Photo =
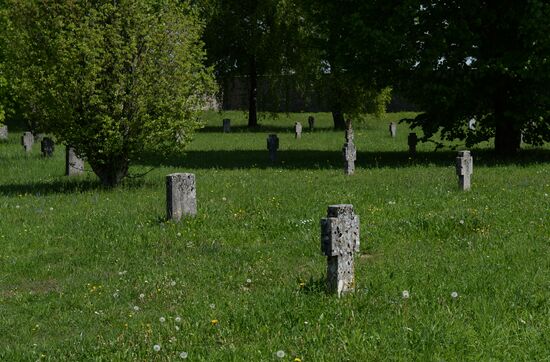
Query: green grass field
88 273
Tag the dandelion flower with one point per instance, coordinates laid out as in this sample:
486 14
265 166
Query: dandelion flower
141 296
136 308
162 319
461 222
297 359
280 353
178 319
405 294
156 347
173 283
454 295
183 355
214 322
248 281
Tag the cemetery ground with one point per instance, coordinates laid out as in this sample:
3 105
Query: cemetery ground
88 273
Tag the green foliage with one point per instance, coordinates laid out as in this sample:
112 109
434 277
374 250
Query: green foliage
478 59
347 52
76 257
110 78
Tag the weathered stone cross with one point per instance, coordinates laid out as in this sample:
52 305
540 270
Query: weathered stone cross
339 242
464 169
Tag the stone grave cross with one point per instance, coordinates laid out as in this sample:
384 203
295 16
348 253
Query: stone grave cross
297 130
311 122
273 146
464 169
412 140
393 129
27 141
339 242
349 151
226 125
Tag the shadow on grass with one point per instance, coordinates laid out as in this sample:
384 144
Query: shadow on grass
65 187
310 159
263 129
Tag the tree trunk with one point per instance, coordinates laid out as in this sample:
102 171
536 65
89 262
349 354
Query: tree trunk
338 118
507 136
253 95
111 171
507 132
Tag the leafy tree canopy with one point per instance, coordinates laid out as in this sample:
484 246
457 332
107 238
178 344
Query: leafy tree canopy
109 78
487 60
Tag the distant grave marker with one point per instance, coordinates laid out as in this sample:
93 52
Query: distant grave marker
297 130
349 152
27 140
339 242
273 146
464 169
472 124
412 141
393 129
181 196
47 147
226 125
73 164
311 122
3 132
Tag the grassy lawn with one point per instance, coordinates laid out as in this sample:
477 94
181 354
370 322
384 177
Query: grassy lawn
88 273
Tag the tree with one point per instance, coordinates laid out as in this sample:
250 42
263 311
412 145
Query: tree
482 59
249 38
109 78
349 46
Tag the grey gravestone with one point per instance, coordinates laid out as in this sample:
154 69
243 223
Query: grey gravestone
27 141
339 242
393 129
73 164
226 125
273 146
349 152
3 132
297 130
181 196
464 169
412 140
39 137
47 147
311 122
472 124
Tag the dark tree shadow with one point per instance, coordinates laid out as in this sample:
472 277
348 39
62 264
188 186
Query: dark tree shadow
66 186
263 129
311 159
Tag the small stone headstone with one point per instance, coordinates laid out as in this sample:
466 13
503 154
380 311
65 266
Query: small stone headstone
39 137
74 165
3 132
412 140
47 147
339 242
349 152
27 140
226 125
181 196
311 122
472 124
297 130
273 146
464 169
393 129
